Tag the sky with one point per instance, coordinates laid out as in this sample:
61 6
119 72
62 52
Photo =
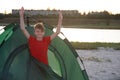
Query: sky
113 6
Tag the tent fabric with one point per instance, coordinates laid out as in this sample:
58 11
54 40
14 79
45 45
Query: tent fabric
15 59
43 70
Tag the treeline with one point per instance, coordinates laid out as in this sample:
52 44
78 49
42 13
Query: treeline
2 16
90 15
101 15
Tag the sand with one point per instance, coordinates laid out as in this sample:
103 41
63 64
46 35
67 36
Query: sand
101 64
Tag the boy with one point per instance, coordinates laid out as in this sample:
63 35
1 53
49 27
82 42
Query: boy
38 45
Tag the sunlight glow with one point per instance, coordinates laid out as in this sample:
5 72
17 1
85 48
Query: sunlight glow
1 30
81 5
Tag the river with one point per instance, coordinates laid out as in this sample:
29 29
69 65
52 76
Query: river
91 35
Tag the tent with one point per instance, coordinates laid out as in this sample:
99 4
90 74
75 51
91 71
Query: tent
15 59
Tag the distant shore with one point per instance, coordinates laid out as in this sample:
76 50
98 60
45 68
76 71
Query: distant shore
71 22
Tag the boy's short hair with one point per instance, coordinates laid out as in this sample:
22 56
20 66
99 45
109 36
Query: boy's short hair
39 26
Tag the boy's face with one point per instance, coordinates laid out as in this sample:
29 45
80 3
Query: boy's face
39 33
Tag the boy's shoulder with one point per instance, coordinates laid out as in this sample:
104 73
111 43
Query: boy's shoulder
31 38
46 37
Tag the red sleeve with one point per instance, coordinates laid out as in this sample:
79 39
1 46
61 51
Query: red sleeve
31 38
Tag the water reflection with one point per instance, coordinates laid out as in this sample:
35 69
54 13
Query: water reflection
1 29
92 35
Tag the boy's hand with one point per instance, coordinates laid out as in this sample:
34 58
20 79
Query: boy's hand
21 12
22 24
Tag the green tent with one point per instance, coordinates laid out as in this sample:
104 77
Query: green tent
16 64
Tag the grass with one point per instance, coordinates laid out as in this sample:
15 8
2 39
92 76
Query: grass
95 45
96 59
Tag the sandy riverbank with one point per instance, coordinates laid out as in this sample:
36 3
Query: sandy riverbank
101 64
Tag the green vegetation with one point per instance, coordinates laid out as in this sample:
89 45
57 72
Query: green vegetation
96 59
95 45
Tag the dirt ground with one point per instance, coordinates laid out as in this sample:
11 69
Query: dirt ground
101 64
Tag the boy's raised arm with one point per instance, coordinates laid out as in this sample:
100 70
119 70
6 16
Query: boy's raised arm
58 26
22 24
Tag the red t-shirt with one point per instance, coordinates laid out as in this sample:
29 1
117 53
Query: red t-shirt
38 49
